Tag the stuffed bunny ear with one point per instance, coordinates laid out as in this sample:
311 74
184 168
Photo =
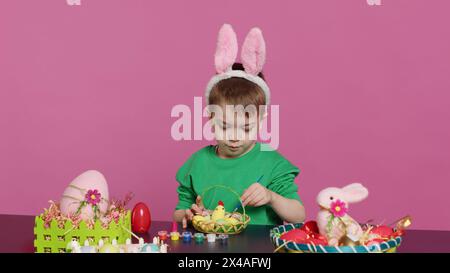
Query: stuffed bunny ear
227 48
355 192
253 54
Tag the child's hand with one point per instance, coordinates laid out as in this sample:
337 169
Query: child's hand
256 195
195 209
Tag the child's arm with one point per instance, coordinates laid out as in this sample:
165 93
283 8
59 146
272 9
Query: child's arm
290 210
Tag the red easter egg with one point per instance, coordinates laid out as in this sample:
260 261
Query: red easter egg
140 218
310 227
295 235
384 232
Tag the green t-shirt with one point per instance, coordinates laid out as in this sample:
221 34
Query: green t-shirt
204 170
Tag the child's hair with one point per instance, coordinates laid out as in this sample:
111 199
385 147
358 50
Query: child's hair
238 91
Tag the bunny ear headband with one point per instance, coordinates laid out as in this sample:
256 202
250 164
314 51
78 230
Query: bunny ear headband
253 56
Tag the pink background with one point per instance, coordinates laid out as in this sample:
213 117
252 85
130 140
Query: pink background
364 94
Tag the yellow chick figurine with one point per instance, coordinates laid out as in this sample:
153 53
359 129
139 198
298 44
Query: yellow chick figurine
219 212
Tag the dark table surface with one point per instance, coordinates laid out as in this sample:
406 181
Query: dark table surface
16 235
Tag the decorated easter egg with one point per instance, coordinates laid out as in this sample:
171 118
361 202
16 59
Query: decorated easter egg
140 218
296 235
310 227
85 195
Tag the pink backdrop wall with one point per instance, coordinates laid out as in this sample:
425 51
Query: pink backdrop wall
364 95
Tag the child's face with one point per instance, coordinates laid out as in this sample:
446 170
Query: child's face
235 131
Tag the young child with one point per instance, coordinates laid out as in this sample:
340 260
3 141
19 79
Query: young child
264 179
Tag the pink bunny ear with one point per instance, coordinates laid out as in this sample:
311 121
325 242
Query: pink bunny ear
355 192
253 54
227 48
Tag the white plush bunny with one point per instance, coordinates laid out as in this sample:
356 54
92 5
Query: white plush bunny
333 220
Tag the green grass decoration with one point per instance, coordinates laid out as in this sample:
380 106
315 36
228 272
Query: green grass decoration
55 239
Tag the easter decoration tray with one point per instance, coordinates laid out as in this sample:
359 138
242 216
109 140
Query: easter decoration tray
220 221
388 245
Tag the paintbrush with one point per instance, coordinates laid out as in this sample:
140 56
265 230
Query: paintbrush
239 205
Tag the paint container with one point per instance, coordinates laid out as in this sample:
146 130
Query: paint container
162 235
199 237
211 237
174 236
223 238
187 236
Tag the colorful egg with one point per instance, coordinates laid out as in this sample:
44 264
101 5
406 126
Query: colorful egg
140 218
77 192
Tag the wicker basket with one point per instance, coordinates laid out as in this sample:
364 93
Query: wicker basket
223 228
275 233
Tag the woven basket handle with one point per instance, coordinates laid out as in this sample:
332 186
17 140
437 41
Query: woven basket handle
232 191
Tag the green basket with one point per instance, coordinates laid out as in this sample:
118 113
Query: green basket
219 228
287 246
55 239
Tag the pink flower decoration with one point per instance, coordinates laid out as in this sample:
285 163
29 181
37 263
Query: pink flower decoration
338 208
93 197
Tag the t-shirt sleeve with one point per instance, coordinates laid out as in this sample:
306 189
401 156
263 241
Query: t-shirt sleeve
282 180
186 194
